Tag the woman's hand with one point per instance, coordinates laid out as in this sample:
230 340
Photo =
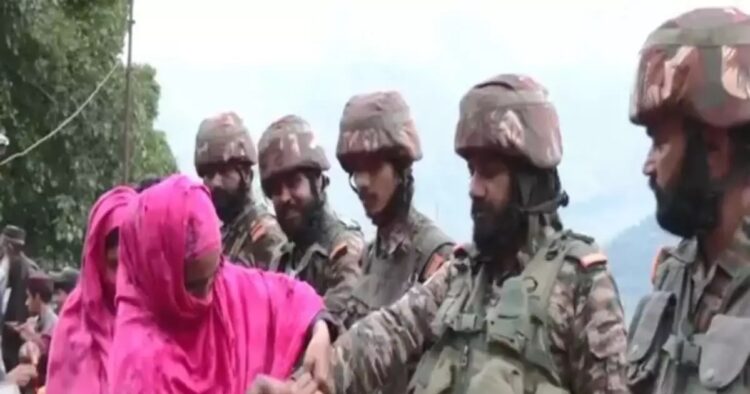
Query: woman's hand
318 355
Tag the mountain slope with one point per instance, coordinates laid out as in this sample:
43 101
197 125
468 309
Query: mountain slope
631 254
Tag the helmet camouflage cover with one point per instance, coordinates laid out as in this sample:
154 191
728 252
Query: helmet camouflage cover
511 115
289 144
222 138
377 123
697 65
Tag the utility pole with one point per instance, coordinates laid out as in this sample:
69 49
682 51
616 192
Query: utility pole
128 98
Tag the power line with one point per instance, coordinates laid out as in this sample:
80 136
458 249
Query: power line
64 122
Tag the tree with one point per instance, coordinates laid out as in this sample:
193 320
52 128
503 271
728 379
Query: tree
52 55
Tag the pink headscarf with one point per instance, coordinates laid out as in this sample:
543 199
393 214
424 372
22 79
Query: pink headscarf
166 340
82 336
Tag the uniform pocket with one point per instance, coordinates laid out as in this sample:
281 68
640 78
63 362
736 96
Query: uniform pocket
725 351
650 329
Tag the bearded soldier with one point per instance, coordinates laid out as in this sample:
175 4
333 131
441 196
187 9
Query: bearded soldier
692 94
528 307
323 250
224 156
378 143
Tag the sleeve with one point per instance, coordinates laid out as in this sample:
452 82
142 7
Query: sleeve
438 258
387 337
597 354
265 241
343 270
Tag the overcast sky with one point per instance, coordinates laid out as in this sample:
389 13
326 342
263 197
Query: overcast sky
265 59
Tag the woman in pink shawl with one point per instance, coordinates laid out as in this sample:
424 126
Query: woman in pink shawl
188 322
81 340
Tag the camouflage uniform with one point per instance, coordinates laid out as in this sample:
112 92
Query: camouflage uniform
329 260
406 250
690 335
253 238
551 324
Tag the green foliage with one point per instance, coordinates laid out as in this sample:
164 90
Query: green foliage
52 55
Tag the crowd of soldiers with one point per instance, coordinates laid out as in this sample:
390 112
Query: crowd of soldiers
528 306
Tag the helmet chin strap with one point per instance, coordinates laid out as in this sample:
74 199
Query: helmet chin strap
540 192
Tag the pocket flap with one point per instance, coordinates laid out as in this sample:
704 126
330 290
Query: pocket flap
650 316
725 351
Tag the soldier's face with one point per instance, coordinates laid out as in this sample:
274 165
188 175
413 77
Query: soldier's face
489 185
664 160
222 177
682 165
292 196
491 190
227 184
375 182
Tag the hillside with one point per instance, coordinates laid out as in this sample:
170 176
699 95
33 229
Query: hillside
631 254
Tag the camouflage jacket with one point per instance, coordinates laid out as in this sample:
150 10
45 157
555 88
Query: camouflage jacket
253 238
697 319
587 334
330 263
406 252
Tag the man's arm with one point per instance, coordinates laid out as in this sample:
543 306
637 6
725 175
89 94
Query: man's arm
390 336
597 351
343 270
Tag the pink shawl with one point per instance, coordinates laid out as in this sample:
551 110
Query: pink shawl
166 340
82 336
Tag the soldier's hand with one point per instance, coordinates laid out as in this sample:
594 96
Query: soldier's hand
318 355
21 375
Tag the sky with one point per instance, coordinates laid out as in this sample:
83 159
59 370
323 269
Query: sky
266 59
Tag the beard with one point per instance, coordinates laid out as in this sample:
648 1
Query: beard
686 209
495 232
397 206
690 207
304 226
228 204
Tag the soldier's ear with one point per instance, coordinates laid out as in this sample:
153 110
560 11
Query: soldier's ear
719 152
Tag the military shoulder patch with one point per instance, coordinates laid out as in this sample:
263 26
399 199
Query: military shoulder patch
592 259
347 243
258 228
586 254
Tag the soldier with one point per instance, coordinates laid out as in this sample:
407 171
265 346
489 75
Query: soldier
528 307
323 250
224 156
692 94
377 145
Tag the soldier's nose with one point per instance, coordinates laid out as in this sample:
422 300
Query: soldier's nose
361 180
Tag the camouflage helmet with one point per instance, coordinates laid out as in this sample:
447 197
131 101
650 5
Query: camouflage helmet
289 144
222 138
511 115
377 123
698 65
